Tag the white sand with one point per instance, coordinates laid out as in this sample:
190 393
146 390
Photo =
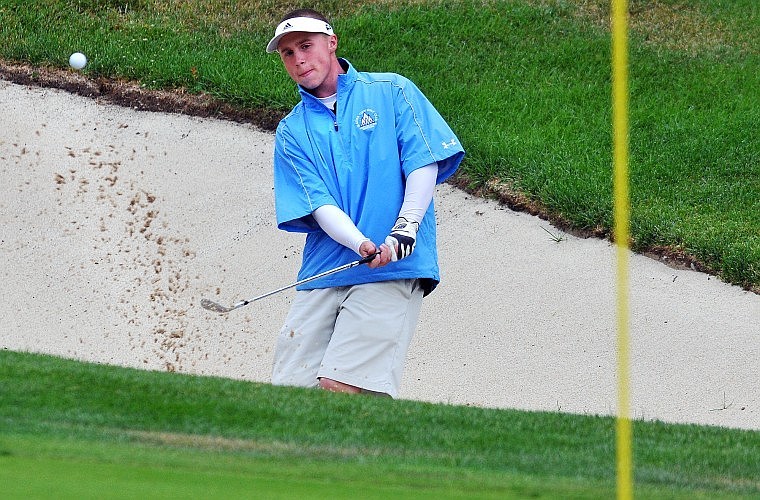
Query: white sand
114 224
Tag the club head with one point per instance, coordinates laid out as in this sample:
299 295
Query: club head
213 306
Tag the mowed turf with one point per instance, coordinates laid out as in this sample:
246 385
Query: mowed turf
47 468
79 430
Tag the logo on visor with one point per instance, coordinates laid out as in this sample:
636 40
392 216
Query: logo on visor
367 119
287 27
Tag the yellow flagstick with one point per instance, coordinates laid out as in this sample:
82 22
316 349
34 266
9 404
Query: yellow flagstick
622 236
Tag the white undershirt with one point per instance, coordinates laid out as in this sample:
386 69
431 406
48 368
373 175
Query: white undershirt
329 101
418 194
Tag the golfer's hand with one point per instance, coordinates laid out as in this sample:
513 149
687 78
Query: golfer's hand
383 258
402 239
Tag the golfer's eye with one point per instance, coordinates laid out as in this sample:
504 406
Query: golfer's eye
286 53
305 46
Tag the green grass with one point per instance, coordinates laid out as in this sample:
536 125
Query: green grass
77 430
524 83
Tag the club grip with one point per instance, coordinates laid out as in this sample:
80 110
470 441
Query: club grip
369 258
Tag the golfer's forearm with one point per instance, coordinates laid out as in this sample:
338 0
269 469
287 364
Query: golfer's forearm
418 194
339 226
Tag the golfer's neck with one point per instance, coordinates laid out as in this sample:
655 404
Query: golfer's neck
330 84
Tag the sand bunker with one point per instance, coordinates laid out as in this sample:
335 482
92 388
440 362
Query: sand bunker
115 223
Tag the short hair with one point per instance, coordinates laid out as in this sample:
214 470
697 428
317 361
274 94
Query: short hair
305 13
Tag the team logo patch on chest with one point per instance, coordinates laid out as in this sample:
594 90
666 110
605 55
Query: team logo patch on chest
366 119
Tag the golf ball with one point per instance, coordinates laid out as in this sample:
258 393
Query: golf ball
77 60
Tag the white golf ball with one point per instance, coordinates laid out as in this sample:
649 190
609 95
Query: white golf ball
77 60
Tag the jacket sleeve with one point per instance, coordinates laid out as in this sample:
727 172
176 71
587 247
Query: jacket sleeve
423 135
298 187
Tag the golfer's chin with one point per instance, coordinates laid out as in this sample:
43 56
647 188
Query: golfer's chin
310 85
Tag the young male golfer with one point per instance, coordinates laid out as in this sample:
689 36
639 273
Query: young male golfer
355 166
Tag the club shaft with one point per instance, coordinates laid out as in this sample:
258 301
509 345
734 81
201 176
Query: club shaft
306 280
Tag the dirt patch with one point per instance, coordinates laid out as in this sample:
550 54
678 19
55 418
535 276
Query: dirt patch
671 25
507 195
132 95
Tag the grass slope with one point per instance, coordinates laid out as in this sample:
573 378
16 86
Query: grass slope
78 430
524 83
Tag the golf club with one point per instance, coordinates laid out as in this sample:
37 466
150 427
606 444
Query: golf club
213 306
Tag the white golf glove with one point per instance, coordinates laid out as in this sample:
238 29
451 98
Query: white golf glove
402 239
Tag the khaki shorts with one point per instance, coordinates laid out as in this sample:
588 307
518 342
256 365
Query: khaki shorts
358 335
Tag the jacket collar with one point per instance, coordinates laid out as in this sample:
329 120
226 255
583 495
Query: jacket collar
345 82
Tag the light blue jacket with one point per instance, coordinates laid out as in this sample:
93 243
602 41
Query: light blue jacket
358 160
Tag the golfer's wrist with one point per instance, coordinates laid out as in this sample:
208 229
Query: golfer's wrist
358 245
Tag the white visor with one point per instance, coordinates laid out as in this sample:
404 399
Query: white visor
303 24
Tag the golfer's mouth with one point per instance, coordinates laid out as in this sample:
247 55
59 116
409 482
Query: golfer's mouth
305 73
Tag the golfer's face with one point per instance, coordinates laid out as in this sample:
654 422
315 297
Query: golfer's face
308 60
